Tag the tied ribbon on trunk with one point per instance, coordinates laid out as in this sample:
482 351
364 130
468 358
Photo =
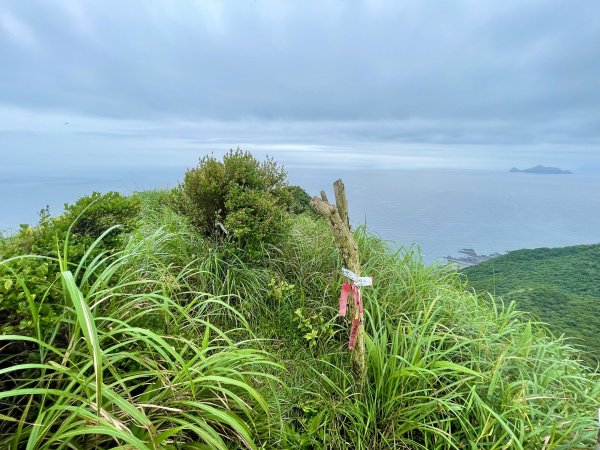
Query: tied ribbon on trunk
348 288
353 286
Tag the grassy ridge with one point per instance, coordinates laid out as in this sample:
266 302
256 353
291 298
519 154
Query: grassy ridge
561 286
167 339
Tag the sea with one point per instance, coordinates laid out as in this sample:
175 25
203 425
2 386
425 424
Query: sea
436 212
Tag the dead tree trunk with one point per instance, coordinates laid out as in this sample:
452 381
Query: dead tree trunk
337 216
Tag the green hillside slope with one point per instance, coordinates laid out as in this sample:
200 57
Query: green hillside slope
561 286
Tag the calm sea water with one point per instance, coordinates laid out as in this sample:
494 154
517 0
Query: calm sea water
442 211
445 210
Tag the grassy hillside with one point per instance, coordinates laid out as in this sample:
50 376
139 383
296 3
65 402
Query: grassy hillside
164 334
561 286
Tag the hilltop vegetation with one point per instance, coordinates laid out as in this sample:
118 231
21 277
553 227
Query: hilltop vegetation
561 286
181 330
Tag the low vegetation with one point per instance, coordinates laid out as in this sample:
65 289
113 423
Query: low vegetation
161 334
560 286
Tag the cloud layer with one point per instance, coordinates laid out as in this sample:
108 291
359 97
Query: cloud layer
445 75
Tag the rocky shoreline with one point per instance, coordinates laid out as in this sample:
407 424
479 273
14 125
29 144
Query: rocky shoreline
468 257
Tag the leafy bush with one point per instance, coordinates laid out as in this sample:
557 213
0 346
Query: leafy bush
300 200
313 326
88 218
28 286
240 196
93 215
26 289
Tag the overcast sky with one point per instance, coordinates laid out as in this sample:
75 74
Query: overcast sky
383 83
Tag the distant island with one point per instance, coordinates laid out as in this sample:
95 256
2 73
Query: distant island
542 170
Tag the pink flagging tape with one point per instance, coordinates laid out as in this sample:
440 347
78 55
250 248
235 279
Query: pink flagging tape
344 298
357 298
353 287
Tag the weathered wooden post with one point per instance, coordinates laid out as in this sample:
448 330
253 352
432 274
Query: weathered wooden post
337 216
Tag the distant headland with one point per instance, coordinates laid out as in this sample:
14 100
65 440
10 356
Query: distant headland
469 258
543 170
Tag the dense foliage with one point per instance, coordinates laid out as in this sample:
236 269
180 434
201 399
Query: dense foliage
561 286
300 200
29 285
240 196
169 339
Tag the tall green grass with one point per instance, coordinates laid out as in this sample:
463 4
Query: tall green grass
107 375
446 370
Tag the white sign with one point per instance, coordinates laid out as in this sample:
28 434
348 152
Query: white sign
349 274
359 281
364 281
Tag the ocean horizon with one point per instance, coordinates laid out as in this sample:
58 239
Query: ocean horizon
438 211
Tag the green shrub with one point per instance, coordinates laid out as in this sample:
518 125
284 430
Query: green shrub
93 215
90 216
314 327
300 200
25 287
28 286
240 196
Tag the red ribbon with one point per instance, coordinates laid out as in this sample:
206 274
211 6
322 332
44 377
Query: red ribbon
346 289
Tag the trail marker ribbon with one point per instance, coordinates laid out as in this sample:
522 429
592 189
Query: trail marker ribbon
354 288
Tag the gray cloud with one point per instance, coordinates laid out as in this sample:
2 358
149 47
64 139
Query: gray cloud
524 74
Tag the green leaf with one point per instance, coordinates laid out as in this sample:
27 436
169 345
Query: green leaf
87 324
6 418
455 368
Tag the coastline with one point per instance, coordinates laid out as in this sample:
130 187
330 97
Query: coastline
469 258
